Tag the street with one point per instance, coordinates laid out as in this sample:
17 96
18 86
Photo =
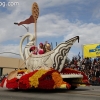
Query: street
81 93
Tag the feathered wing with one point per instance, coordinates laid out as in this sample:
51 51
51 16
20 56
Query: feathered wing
61 52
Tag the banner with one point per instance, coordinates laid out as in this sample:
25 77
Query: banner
27 21
91 50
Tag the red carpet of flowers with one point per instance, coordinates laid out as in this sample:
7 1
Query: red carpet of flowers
42 79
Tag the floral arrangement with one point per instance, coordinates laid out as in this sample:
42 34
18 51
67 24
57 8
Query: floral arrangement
13 83
46 81
69 71
33 80
24 81
42 79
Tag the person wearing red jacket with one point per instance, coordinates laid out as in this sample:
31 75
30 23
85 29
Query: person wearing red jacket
34 50
41 50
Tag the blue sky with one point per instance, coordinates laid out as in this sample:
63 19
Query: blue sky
59 20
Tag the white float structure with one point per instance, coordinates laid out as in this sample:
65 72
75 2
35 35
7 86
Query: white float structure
54 58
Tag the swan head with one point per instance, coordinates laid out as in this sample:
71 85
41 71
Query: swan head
32 37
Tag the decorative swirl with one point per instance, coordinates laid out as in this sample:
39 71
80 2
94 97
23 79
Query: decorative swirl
61 54
35 11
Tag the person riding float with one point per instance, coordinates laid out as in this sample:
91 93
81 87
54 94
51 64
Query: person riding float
43 48
34 50
47 47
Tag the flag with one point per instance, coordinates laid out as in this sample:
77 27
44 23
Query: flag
27 21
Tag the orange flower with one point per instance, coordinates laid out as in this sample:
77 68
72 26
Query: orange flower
57 79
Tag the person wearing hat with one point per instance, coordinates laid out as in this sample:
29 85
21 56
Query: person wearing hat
34 50
41 50
47 47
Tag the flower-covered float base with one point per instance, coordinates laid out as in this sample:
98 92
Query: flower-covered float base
75 78
41 79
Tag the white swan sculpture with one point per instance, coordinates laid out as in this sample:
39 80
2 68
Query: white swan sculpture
55 58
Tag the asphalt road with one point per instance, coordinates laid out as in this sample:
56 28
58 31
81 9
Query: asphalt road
82 93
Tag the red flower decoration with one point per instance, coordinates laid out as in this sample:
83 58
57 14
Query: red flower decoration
46 84
24 80
46 81
69 71
13 83
21 72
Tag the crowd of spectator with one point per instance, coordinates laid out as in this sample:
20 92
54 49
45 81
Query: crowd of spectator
90 66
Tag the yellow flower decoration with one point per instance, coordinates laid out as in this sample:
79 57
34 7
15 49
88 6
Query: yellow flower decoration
34 78
63 86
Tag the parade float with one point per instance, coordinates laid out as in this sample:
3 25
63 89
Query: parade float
44 71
